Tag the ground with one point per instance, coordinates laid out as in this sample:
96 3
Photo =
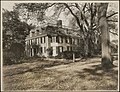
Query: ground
85 74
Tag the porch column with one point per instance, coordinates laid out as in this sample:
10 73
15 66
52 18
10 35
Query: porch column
47 42
54 51
47 45
32 52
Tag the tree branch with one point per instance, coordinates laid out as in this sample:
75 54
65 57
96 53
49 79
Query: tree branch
83 11
51 5
113 33
77 19
112 15
84 7
77 6
112 20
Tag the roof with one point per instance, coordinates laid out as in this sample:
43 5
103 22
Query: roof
53 30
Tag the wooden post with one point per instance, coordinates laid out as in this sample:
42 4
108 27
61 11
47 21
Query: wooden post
73 57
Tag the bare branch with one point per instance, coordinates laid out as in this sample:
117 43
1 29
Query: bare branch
77 6
113 33
83 11
112 15
112 20
84 7
77 19
51 5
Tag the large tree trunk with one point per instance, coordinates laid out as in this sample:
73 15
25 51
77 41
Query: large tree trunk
106 57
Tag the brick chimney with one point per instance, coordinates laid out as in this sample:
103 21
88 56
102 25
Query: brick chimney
59 23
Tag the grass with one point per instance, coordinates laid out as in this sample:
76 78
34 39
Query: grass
60 75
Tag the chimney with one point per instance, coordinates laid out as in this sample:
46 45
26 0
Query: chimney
59 23
32 33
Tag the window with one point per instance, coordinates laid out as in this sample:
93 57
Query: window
73 41
61 39
38 40
50 38
30 41
57 39
70 48
54 39
57 50
44 49
73 48
61 49
77 41
41 50
65 39
41 40
31 52
35 40
70 40
44 39
67 48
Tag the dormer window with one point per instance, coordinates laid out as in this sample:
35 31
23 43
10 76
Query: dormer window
37 30
33 33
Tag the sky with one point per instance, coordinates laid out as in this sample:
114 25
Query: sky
9 6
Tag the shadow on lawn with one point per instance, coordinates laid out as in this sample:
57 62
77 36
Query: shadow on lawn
38 67
98 71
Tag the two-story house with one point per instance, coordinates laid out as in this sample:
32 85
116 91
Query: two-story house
54 38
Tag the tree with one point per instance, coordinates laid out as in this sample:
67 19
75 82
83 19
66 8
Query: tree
14 33
103 24
13 29
30 12
86 16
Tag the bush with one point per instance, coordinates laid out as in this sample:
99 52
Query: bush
68 55
9 58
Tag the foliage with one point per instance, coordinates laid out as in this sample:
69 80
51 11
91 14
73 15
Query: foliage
13 29
14 33
50 51
32 11
85 16
69 55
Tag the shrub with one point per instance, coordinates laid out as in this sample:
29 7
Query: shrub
9 58
50 51
14 54
68 55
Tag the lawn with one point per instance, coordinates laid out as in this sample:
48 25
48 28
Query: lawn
85 74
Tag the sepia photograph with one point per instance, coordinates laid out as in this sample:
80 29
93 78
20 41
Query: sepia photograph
60 45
